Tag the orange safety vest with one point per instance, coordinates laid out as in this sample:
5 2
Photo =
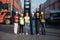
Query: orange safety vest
16 18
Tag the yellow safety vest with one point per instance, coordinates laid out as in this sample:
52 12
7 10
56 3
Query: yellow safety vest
27 19
21 21
42 20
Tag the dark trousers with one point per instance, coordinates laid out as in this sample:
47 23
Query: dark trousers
37 27
42 29
37 30
21 29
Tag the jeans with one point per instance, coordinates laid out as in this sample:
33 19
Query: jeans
27 28
33 27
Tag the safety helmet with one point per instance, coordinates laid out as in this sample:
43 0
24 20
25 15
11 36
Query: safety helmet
32 13
37 13
16 11
21 14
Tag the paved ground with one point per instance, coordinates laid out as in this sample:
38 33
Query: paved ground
6 33
8 36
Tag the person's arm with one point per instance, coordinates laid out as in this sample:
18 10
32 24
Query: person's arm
29 21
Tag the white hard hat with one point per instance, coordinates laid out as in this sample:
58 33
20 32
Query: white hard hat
32 13
16 11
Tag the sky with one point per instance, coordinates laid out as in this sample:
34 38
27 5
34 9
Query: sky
34 4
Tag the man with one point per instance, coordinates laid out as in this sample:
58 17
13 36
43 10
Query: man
33 23
42 19
21 23
37 23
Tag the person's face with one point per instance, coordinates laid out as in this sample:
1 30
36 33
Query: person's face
16 13
37 14
32 14
26 14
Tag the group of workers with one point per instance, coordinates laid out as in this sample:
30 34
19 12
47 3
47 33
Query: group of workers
28 25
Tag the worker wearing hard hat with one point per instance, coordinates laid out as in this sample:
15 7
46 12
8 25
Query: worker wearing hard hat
16 23
21 18
37 23
33 23
16 17
43 23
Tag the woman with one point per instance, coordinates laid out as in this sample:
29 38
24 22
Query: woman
33 23
16 23
27 24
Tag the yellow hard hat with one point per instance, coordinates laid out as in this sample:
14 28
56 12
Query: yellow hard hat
16 11
37 13
42 12
21 14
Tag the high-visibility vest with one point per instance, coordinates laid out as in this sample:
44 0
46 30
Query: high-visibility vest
42 20
16 18
21 20
27 19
